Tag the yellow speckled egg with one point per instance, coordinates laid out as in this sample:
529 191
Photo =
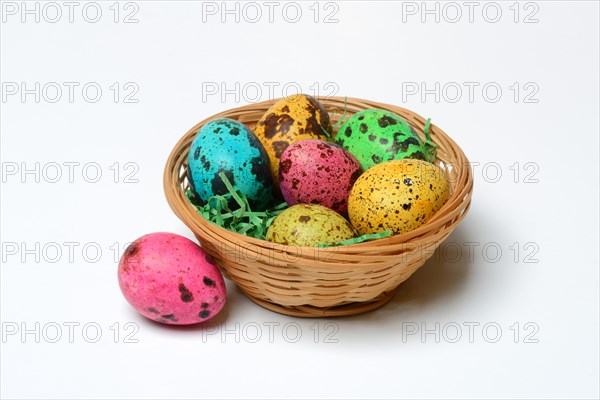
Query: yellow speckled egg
309 225
289 120
398 195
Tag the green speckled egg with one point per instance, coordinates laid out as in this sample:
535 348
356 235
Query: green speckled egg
375 136
309 225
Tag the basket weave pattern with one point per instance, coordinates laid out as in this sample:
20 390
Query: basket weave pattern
335 281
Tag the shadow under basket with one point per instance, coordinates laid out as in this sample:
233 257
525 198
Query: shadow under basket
323 282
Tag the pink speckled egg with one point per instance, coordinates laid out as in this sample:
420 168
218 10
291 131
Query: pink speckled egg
318 172
170 279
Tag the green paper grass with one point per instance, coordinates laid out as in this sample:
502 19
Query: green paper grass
341 120
359 239
336 125
430 146
241 219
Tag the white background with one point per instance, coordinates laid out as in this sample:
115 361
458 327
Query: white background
375 50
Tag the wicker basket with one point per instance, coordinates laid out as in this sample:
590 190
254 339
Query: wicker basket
336 281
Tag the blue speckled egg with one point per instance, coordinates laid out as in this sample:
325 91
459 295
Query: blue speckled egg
225 145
